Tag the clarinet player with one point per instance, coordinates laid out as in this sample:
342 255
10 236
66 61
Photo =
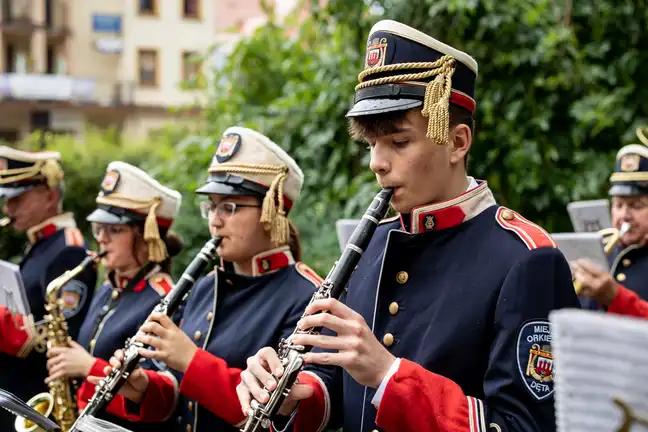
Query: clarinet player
254 298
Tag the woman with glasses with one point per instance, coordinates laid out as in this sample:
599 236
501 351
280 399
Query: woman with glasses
255 297
131 224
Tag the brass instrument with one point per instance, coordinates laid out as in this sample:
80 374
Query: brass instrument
615 235
59 401
5 222
629 417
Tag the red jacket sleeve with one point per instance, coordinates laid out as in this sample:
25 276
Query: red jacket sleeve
17 333
86 390
209 381
158 403
627 302
313 413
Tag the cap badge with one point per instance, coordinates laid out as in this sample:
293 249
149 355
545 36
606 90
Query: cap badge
110 182
376 53
227 147
630 162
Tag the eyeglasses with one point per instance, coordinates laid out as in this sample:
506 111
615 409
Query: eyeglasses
109 230
223 209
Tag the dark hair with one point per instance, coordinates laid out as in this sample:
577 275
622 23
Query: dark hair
294 242
371 126
172 240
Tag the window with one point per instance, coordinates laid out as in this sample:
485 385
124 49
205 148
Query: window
148 7
148 68
191 9
191 65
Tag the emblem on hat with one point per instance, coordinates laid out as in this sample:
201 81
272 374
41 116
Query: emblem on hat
227 147
535 360
630 162
110 182
376 52
3 164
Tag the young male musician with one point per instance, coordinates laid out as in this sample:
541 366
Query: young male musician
445 324
31 187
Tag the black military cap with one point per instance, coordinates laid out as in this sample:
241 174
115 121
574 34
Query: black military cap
21 171
630 177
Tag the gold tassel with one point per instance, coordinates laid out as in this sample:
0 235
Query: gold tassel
156 248
274 219
51 170
436 104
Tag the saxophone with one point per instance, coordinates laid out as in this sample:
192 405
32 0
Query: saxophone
261 415
59 401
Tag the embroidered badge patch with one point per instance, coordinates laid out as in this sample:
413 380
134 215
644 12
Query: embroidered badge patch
110 182
535 360
630 162
227 147
429 222
73 295
376 53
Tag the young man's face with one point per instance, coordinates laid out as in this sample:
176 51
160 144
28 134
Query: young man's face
416 167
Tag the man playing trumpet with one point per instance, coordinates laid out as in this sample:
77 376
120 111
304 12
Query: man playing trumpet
625 289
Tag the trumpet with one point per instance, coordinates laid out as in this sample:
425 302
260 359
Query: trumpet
615 236
59 401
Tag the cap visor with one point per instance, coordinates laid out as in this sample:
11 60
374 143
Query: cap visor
12 192
224 189
103 216
627 190
380 106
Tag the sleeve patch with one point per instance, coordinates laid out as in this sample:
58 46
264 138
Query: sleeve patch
308 273
530 233
74 295
73 237
161 283
535 360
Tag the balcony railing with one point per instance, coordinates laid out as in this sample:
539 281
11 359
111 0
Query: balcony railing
16 12
21 14
67 89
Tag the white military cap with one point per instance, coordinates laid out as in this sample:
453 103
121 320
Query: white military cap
129 195
600 381
249 163
21 171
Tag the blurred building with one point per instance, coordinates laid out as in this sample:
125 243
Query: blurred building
109 63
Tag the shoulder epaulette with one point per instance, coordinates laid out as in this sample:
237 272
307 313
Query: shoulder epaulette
391 219
533 235
162 283
73 237
308 273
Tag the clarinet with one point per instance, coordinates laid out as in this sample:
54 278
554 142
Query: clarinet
110 385
291 355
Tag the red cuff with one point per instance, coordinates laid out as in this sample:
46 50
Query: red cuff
416 400
627 302
313 413
17 333
86 390
158 403
210 382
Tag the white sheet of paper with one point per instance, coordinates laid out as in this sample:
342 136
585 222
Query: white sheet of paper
590 216
344 228
583 245
12 290
598 357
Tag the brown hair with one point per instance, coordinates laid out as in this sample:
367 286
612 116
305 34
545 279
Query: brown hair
294 242
172 240
371 126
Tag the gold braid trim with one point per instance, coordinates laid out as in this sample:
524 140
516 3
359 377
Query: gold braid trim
273 212
629 176
156 248
642 137
437 92
49 169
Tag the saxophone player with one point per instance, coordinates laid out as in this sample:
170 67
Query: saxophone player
132 225
625 289
31 188
254 298
444 326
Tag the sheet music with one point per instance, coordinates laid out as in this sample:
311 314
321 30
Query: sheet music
93 424
12 290
344 229
583 245
590 216
598 357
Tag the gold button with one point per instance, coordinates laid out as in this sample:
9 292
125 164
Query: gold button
190 405
229 282
621 277
209 316
188 428
507 215
402 277
388 339
197 335
626 262
393 308
115 294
